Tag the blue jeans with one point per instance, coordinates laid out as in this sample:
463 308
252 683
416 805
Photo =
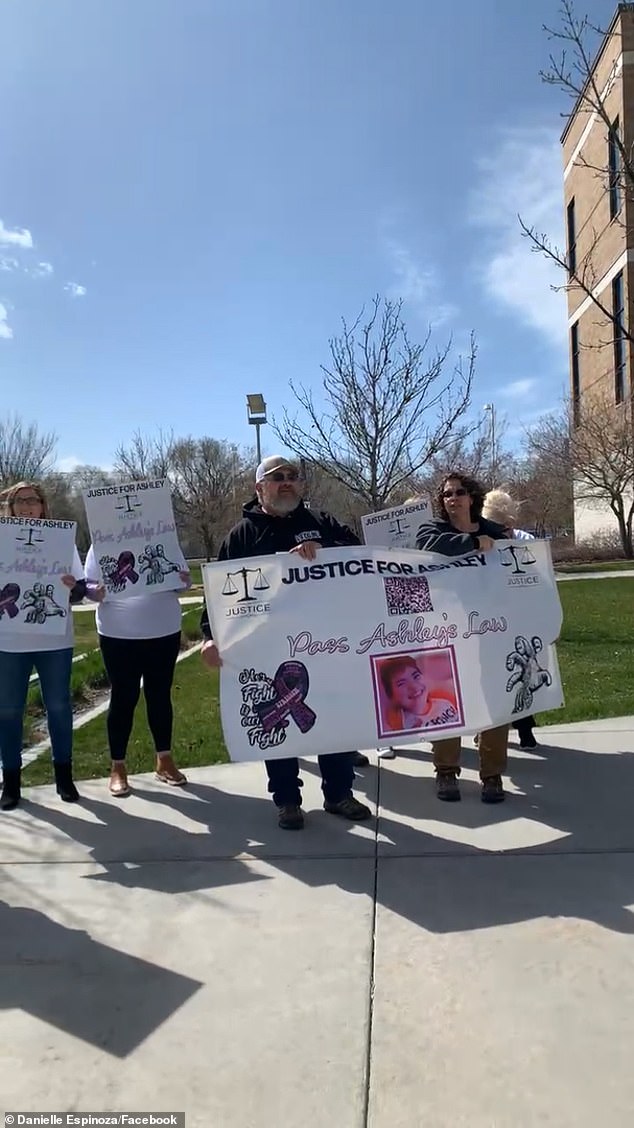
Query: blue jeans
337 775
53 667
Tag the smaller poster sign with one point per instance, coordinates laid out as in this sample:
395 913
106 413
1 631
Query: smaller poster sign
134 538
34 555
396 527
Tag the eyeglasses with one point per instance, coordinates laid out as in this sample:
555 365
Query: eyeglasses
461 492
33 500
281 476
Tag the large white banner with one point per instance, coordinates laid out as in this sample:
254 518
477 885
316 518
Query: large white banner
134 537
34 554
369 646
396 527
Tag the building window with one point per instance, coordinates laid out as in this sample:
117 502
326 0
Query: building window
618 314
614 169
572 237
574 355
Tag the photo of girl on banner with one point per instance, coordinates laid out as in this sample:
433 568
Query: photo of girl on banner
416 690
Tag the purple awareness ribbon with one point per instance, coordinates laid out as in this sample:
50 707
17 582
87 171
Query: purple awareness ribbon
125 569
9 596
291 686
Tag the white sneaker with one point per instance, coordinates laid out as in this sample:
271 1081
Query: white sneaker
387 753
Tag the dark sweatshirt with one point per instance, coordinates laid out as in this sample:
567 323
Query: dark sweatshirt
262 534
440 536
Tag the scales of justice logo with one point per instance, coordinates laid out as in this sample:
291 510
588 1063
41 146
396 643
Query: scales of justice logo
247 603
31 540
518 558
128 505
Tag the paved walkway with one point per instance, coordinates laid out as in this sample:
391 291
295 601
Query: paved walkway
452 966
616 575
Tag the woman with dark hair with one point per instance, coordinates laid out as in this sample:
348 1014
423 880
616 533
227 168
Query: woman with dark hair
460 529
53 662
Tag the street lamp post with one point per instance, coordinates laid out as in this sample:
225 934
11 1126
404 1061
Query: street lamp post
256 416
491 408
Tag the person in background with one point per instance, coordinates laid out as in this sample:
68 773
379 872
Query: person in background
460 529
499 506
277 520
139 639
52 662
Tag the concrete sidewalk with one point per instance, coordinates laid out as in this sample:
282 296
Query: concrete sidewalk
454 965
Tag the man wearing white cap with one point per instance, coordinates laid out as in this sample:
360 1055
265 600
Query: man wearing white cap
277 520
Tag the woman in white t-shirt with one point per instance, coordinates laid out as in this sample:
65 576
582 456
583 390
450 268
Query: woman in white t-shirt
52 661
140 640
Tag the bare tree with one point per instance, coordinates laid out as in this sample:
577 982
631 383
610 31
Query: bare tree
591 450
572 71
145 457
209 478
389 406
25 451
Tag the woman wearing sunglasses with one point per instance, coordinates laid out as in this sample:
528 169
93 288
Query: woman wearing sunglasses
462 529
52 661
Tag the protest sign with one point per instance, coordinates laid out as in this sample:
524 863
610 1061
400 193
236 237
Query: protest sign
134 538
396 527
368 646
34 554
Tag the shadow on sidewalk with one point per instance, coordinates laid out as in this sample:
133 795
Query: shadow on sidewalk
110 999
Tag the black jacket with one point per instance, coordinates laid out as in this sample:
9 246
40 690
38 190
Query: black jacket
261 534
441 537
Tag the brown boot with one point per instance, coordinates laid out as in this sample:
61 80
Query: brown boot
119 786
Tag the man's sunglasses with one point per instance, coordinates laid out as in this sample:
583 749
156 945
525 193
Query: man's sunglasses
461 492
283 476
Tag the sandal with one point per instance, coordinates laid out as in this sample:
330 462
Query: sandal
170 773
119 786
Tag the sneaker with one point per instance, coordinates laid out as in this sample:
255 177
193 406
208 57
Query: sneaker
447 787
387 753
290 817
528 744
492 790
359 760
349 808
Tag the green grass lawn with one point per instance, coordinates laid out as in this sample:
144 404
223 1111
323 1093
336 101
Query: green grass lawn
596 656
596 651
85 631
197 734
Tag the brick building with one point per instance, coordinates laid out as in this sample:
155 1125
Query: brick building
600 239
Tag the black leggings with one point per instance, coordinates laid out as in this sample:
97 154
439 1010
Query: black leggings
127 660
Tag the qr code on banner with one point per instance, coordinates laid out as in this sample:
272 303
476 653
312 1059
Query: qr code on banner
407 595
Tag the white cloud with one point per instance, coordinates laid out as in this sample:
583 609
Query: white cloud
522 175
42 270
68 464
518 388
6 332
7 263
416 284
75 290
20 237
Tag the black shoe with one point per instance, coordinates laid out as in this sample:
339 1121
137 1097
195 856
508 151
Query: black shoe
11 793
290 817
359 760
527 743
447 787
492 790
349 808
64 779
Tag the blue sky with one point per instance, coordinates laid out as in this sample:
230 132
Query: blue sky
192 193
